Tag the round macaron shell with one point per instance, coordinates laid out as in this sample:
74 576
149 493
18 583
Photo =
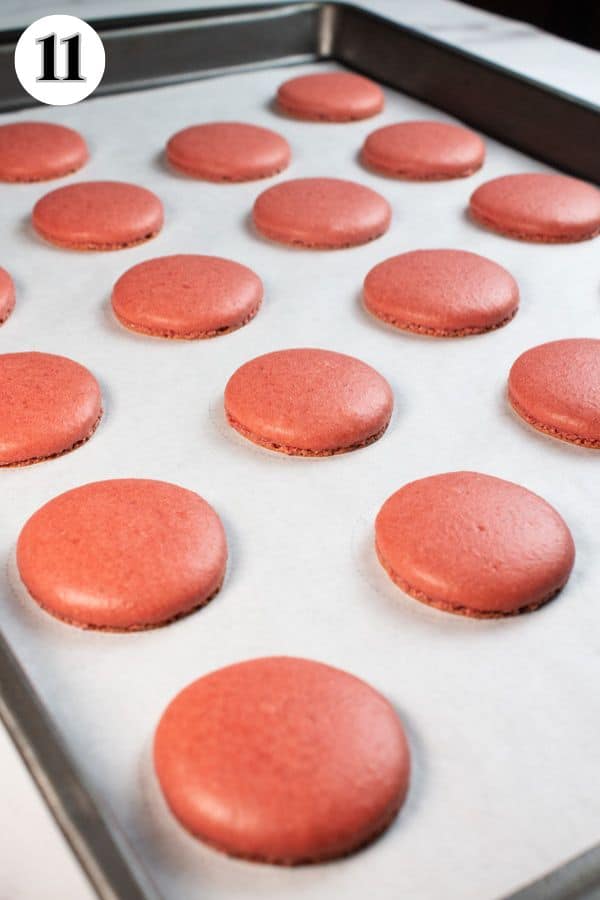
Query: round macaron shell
282 760
555 387
443 293
7 295
228 151
187 296
322 213
123 555
538 207
48 405
308 402
474 544
424 151
98 215
330 97
38 151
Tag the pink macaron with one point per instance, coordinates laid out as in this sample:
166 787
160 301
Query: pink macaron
546 208
321 213
424 151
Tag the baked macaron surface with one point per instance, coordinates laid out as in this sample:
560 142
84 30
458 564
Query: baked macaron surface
38 151
473 544
555 387
7 295
308 402
322 213
543 207
330 97
123 555
187 296
98 215
48 405
443 293
282 760
424 151
228 151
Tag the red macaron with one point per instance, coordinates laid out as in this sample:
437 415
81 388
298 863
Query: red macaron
282 760
473 544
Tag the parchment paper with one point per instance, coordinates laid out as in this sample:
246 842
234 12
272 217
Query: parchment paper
503 716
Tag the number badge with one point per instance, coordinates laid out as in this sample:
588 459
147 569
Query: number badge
59 60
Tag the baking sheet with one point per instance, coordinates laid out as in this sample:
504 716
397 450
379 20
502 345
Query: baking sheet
503 716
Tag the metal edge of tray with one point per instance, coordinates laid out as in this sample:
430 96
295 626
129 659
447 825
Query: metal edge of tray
577 879
156 49
111 868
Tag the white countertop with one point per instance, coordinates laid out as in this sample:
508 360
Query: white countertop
34 860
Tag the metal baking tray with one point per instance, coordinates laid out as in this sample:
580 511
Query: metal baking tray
146 52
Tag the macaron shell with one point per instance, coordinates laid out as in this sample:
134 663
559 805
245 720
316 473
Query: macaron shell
48 406
98 215
38 151
538 207
282 760
7 295
322 213
474 544
555 387
330 97
308 402
228 151
443 293
424 151
187 296
123 555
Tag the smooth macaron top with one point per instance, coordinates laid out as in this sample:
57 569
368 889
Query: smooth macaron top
186 296
37 151
473 544
7 295
123 554
308 402
326 213
282 760
98 215
48 405
228 151
330 97
441 292
423 150
538 206
556 388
